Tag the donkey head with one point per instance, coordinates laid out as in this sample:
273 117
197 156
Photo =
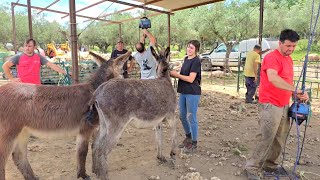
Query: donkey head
109 69
163 62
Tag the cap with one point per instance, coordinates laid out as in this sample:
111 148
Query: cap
120 41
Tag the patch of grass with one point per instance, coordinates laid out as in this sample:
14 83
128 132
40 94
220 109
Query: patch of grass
242 147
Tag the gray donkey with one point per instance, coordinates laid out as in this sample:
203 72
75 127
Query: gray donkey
44 110
145 103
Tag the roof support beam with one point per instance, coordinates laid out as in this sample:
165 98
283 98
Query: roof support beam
48 6
105 15
61 12
87 7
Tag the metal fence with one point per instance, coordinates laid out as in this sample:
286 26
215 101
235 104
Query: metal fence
237 79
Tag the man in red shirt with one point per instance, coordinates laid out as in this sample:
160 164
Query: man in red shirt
276 88
28 65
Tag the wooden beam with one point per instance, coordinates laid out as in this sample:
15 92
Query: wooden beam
116 12
48 6
87 7
105 15
195 5
61 12
140 6
16 2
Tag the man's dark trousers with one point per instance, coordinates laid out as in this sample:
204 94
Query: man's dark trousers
251 88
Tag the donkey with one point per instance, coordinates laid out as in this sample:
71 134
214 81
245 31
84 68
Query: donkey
27 109
144 103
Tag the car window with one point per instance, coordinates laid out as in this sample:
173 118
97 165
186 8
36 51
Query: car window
221 48
235 48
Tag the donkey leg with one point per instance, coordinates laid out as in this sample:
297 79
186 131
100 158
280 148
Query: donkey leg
158 132
6 145
173 125
82 150
172 122
19 156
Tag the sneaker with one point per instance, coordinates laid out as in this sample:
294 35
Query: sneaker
185 142
251 102
252 176
190 148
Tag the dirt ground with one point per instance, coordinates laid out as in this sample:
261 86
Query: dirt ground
227 129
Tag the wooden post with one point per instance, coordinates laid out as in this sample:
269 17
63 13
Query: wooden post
169 35
120 33
261 21
14 33
29 18
74 40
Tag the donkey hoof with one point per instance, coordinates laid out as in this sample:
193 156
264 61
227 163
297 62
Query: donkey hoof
172 163
87 178
162 159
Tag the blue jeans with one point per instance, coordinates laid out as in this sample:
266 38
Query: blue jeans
188 105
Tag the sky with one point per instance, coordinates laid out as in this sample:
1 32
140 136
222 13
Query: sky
63 5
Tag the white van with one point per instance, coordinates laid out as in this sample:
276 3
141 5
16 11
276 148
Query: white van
216 57
266 43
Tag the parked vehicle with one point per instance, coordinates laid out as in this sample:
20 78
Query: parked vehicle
247 45
216 57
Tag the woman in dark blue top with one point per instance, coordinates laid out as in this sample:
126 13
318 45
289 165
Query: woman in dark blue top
190 91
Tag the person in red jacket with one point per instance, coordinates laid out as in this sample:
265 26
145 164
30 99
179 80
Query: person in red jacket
28 65
276 89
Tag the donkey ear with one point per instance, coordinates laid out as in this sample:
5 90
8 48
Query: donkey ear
167 52
154 53
123 58
97 58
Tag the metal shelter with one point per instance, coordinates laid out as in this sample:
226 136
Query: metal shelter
157 6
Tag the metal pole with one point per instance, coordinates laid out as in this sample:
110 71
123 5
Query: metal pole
169 28
14 34
120 33
74 40
261 21
29 18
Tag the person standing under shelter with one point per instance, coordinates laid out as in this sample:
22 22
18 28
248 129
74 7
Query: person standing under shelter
276 89
190 92
120 51
28 65
144 57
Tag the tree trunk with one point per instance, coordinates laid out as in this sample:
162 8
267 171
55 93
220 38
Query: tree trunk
229 46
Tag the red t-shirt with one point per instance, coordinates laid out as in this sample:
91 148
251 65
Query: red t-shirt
28 67
268 93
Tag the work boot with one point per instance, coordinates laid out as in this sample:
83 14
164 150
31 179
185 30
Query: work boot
190 148
185 142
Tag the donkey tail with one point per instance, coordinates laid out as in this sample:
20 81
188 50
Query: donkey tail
90 115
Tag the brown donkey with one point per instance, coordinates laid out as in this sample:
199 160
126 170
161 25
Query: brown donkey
27 109
143 102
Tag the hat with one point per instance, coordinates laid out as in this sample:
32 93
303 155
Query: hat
120 41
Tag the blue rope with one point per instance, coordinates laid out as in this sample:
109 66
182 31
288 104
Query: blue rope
303 82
